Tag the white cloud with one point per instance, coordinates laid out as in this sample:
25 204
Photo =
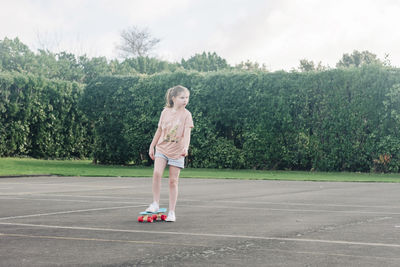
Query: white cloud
278 32
282 34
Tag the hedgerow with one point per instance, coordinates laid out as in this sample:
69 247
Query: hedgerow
336 120
40 118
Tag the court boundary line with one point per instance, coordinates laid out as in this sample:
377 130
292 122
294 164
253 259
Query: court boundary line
190 245
9 196
68 212
67 200
204 206
308 240
99 240
329 254
301 204
295 210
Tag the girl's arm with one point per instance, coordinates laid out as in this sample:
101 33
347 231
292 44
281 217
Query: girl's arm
186 141
154 142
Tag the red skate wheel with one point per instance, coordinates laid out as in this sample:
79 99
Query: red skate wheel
155 217
163 217
140 219
149 219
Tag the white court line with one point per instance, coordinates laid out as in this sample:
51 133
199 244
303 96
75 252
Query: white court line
69 185
232 201
307 240
217 201
78 189
68 212
190 245
327 254
294 210
67 200
99 240
215 207
64 195
302 204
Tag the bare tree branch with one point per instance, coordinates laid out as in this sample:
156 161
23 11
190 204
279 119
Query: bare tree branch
136 42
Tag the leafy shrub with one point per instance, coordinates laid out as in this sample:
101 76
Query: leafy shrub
40 118
337 120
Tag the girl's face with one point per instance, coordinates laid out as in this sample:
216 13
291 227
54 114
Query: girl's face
181 100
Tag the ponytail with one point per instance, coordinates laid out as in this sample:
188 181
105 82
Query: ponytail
173 92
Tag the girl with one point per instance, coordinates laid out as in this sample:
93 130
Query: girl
171 142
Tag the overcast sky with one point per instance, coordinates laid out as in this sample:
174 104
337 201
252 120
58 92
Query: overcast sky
278 33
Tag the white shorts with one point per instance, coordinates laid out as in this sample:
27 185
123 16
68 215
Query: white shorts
180 163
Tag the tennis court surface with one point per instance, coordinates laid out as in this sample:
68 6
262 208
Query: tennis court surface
92 221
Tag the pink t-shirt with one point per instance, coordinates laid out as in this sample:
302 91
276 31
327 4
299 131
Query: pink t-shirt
173 124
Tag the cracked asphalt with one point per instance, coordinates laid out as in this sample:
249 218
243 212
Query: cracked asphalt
92 221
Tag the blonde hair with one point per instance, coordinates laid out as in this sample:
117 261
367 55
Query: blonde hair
174 92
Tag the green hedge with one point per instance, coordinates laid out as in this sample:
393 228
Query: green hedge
337 120
40 118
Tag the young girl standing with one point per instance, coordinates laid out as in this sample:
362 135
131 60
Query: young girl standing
171 142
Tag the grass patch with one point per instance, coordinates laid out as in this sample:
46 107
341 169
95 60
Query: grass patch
27 166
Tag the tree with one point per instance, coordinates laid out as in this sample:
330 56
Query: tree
147 65
205 62
93 67
309 65
358 59
306 65
15 56
248 65
69 68
136 42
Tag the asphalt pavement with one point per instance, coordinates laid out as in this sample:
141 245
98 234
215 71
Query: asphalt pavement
92 221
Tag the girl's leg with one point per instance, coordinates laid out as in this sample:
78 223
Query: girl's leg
173 186
159 166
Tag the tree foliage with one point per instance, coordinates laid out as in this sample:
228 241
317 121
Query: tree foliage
205 62
358 59
309 65
251 66
15 56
